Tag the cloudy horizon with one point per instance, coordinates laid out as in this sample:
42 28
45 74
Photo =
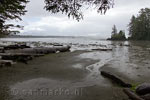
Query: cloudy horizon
37 21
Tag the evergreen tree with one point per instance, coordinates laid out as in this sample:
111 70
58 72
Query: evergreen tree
139 27
132 26
121 35
117 36
114 30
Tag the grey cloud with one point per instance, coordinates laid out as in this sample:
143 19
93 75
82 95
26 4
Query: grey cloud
39 22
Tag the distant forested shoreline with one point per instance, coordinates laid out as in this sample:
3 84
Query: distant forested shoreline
139 27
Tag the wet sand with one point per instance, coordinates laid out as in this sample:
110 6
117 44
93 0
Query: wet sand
65 71
76 75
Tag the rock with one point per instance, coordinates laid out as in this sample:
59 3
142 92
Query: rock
143 89
146 97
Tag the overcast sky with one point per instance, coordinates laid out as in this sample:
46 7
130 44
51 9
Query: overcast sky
39 22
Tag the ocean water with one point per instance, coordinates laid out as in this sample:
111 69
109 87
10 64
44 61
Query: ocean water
77 43
66 40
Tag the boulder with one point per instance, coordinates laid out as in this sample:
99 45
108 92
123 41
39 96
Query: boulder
143 89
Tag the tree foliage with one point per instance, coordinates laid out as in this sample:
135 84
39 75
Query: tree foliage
139 26
73 8
13 9
114 30
117 36
10 10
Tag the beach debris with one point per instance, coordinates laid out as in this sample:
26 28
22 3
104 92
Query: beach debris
115 79
103 49
143 89
127 45
148 48
122 44
41 50
132 95
38 50
16 46
57 45
23 53
22 57
6 63
62 48
1 49
142 92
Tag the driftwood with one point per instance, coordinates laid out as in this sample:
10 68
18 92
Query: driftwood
41 50
33 51
62 48
57 45
115 79
100 49
20 54
132 95
6 63
22 57
16 46
1 49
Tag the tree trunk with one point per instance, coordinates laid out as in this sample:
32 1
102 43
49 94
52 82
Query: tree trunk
131 94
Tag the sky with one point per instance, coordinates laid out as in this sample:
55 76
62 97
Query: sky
38 21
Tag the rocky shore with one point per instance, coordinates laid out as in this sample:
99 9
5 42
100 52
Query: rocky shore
78 72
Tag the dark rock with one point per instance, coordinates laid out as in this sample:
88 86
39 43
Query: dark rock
143 89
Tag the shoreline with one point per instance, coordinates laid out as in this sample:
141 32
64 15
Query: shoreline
80 69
